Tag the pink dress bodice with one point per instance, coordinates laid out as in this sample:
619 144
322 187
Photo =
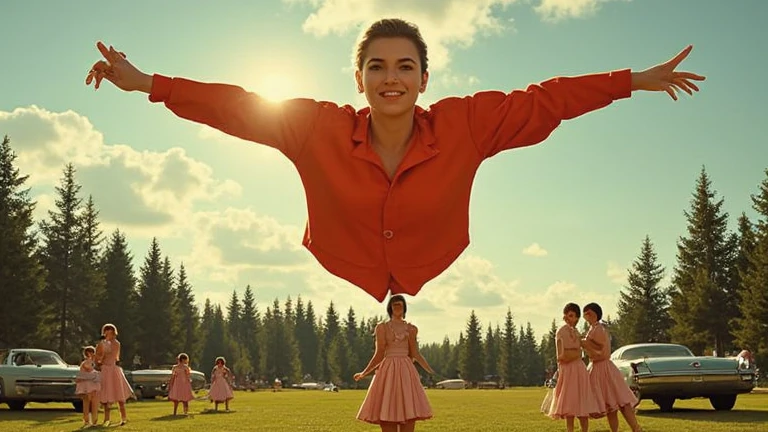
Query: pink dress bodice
110 353
598 333
568 336
397 339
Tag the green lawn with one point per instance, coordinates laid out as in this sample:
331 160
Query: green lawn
455 410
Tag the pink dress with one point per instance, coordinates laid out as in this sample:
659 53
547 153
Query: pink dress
572 396
181 384
395 394
608 384
114 386
87 381
220 388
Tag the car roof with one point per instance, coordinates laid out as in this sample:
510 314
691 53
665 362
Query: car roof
646 345
33 350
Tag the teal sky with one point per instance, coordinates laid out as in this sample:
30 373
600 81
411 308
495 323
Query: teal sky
233 211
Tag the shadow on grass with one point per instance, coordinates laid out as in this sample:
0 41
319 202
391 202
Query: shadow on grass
709 415
171 417
40 415
213 411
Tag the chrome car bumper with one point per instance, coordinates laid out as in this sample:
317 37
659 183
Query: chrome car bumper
693 385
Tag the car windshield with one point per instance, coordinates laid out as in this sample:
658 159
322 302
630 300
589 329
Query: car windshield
37 358
656 351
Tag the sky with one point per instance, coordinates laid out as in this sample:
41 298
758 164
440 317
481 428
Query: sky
557 222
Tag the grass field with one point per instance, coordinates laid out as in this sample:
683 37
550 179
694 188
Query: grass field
512 410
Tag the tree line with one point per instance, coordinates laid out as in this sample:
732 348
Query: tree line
61 278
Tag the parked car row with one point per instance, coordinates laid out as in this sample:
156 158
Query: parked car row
37 375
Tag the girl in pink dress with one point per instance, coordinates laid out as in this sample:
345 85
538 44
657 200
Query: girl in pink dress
180 385
114 386
396 398
221 389
611 391
88 386
572 396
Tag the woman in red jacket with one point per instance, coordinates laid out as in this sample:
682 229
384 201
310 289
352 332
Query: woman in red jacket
388 186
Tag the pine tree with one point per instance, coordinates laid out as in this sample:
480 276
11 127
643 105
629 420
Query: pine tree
22 278
454 364
331 328
188 316
351 344
703 298
71 283
291 349
508 358
548 349
752 327
280 354
531 370
155 310
746 239
216 343
472 361
234 324
306 337
251 327
118 304
169 286
643 305
445 360
491 349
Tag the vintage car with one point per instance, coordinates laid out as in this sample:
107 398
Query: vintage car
664 373
491 382
36 375
150 383
452 384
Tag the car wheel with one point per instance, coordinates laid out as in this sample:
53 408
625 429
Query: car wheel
16 405
665 403
723 402
78 405
139 394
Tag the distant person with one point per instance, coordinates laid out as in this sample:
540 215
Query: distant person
114 386
180 385
221 384
88 385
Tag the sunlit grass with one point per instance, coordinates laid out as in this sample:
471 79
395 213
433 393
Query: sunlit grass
512 410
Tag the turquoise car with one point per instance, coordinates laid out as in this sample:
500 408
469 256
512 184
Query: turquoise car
664 373
36 375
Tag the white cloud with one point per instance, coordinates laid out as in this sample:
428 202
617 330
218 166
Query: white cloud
535 250
232 245
130 188
616 273
443 23
556 10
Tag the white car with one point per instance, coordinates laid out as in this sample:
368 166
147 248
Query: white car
452 384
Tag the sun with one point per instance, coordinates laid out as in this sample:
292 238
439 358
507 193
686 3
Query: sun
276 88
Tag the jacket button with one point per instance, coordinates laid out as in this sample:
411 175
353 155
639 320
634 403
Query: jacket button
388 234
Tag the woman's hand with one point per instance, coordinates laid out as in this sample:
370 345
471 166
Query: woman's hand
664 77
119 71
